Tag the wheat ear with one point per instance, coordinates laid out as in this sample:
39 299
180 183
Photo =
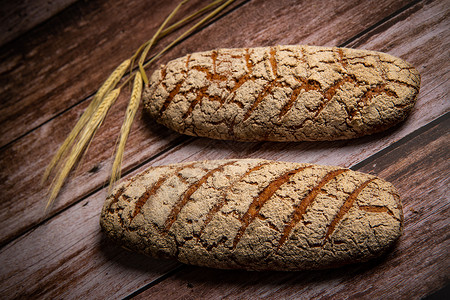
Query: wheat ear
84 139
83 132
106 87
135 98
126 127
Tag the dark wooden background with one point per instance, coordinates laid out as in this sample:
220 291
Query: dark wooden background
55 54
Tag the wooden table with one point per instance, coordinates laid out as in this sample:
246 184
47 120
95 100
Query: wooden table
55 54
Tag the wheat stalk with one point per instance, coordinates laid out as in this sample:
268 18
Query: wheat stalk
126 127
187 19
152 41
175 26
172 28
83 132
190 30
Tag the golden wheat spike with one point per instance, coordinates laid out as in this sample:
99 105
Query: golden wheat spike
84 139
80 137
126 127
106 87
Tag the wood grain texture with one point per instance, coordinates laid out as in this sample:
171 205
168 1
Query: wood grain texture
419 20
66 257
18 17
417 266
23 162
64 61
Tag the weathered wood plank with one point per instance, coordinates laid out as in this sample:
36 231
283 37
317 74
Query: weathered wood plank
425 22
18 17
421 22
417 266
64 61
22 163
68 258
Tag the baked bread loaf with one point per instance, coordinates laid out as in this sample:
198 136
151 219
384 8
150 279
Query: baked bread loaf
255 214
283 93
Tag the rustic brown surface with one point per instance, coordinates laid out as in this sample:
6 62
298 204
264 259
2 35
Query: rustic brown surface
48 73
63 62
147 138
17 17
417 266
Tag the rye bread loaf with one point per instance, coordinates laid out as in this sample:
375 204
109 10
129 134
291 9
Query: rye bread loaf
283 93
255 214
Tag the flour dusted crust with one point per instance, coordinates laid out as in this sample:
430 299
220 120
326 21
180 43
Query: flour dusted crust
282 93
255 214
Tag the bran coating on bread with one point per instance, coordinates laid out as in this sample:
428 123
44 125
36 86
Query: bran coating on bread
282 93
255 214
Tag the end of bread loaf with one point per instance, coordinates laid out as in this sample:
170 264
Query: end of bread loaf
255 214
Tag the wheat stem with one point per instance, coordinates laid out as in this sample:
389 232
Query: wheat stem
188 18
167 31
189 31
126 127
153 39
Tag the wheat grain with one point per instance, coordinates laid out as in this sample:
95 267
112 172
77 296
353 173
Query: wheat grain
84 139
81 135
106 87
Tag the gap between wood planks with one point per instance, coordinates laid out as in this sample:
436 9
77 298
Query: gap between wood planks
224 13
184 140
379 23
355 167
19 17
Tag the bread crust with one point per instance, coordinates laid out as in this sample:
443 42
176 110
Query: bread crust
255 214
282 93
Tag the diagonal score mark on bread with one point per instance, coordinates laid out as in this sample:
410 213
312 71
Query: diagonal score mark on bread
301 208
259 201
188 193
